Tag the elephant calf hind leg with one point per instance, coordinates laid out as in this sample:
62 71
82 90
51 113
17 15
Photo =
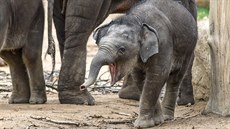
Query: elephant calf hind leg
172 89
186 89
186 92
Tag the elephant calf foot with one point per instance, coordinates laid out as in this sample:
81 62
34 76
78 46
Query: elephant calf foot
185 99
149 120
38 98
130 92
74 97
144 122
168 115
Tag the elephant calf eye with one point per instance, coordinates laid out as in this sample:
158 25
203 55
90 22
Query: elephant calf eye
122 50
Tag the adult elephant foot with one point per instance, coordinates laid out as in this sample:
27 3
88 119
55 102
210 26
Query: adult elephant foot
128 91
72 75
15 98
38 98
73 97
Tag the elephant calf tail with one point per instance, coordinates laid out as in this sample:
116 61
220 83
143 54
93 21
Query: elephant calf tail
51 44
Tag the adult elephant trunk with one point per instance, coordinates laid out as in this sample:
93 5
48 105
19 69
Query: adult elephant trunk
98 61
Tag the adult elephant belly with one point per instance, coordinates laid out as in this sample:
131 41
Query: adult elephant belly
14 41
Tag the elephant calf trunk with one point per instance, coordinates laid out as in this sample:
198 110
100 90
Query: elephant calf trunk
91 79
85 85
98 61
82 88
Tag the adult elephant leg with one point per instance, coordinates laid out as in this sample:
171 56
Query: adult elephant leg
59 22
80 20
186 89
21 88
31 55
132 85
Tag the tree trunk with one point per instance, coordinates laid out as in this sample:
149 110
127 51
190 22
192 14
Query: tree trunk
219 43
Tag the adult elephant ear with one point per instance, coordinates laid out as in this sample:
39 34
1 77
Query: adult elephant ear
100 32
149 43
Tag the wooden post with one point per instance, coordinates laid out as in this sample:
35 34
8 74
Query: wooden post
219 43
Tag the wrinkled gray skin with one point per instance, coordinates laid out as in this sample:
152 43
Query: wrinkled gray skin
79 18
129 91
154 44
21 35
74 21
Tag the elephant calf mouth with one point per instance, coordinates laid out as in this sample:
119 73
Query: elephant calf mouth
113 73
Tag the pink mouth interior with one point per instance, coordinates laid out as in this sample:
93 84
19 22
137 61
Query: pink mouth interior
112 69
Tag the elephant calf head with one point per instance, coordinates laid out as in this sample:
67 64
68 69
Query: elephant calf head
121 44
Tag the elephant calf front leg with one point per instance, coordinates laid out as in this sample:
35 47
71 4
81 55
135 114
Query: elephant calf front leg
150 113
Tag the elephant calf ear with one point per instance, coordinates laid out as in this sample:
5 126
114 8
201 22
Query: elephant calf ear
100 32
150 42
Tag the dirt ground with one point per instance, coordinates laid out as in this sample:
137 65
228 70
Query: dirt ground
110 112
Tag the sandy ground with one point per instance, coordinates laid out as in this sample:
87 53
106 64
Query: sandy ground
110 112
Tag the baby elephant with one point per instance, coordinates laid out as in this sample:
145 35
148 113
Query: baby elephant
153 42
21 35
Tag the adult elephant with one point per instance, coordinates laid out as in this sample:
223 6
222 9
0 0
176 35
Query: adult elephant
74 21
21 35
